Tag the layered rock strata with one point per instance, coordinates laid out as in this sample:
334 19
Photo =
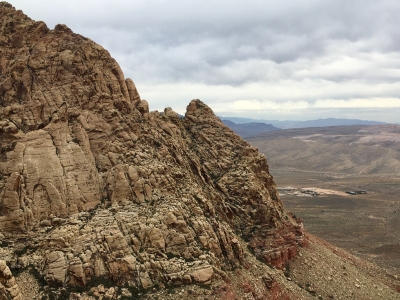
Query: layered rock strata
94 186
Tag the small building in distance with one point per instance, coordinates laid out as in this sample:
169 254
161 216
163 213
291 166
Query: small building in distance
356 192
310 192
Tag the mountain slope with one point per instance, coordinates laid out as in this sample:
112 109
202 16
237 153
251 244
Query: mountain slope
102 199
358 149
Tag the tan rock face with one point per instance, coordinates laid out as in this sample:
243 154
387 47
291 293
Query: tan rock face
106 189
8 287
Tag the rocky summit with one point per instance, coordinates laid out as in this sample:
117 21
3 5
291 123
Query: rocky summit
102 199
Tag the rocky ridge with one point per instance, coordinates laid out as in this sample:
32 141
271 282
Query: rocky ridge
101 198
95 186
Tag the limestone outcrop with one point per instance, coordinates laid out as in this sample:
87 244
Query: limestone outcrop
98 192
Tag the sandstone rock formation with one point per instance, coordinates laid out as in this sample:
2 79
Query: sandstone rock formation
8 287
99 193
76 135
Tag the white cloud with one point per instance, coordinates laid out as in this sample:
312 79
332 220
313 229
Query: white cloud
359 103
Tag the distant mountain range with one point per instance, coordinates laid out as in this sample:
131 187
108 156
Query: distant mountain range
249 129
299 124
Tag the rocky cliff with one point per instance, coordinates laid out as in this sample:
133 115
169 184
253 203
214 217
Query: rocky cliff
112 190
102 197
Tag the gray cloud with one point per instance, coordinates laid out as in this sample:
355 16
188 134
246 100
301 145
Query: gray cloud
273 52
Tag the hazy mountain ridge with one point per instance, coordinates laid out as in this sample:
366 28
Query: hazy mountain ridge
249 129
303 124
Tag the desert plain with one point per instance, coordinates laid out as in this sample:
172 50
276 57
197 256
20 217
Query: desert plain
315 167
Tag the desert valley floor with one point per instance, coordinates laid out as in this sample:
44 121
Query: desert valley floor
366 225
336 160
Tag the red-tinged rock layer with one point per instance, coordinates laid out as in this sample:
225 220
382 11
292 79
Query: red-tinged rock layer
277 247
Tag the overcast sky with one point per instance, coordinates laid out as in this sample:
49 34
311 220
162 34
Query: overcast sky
282 60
